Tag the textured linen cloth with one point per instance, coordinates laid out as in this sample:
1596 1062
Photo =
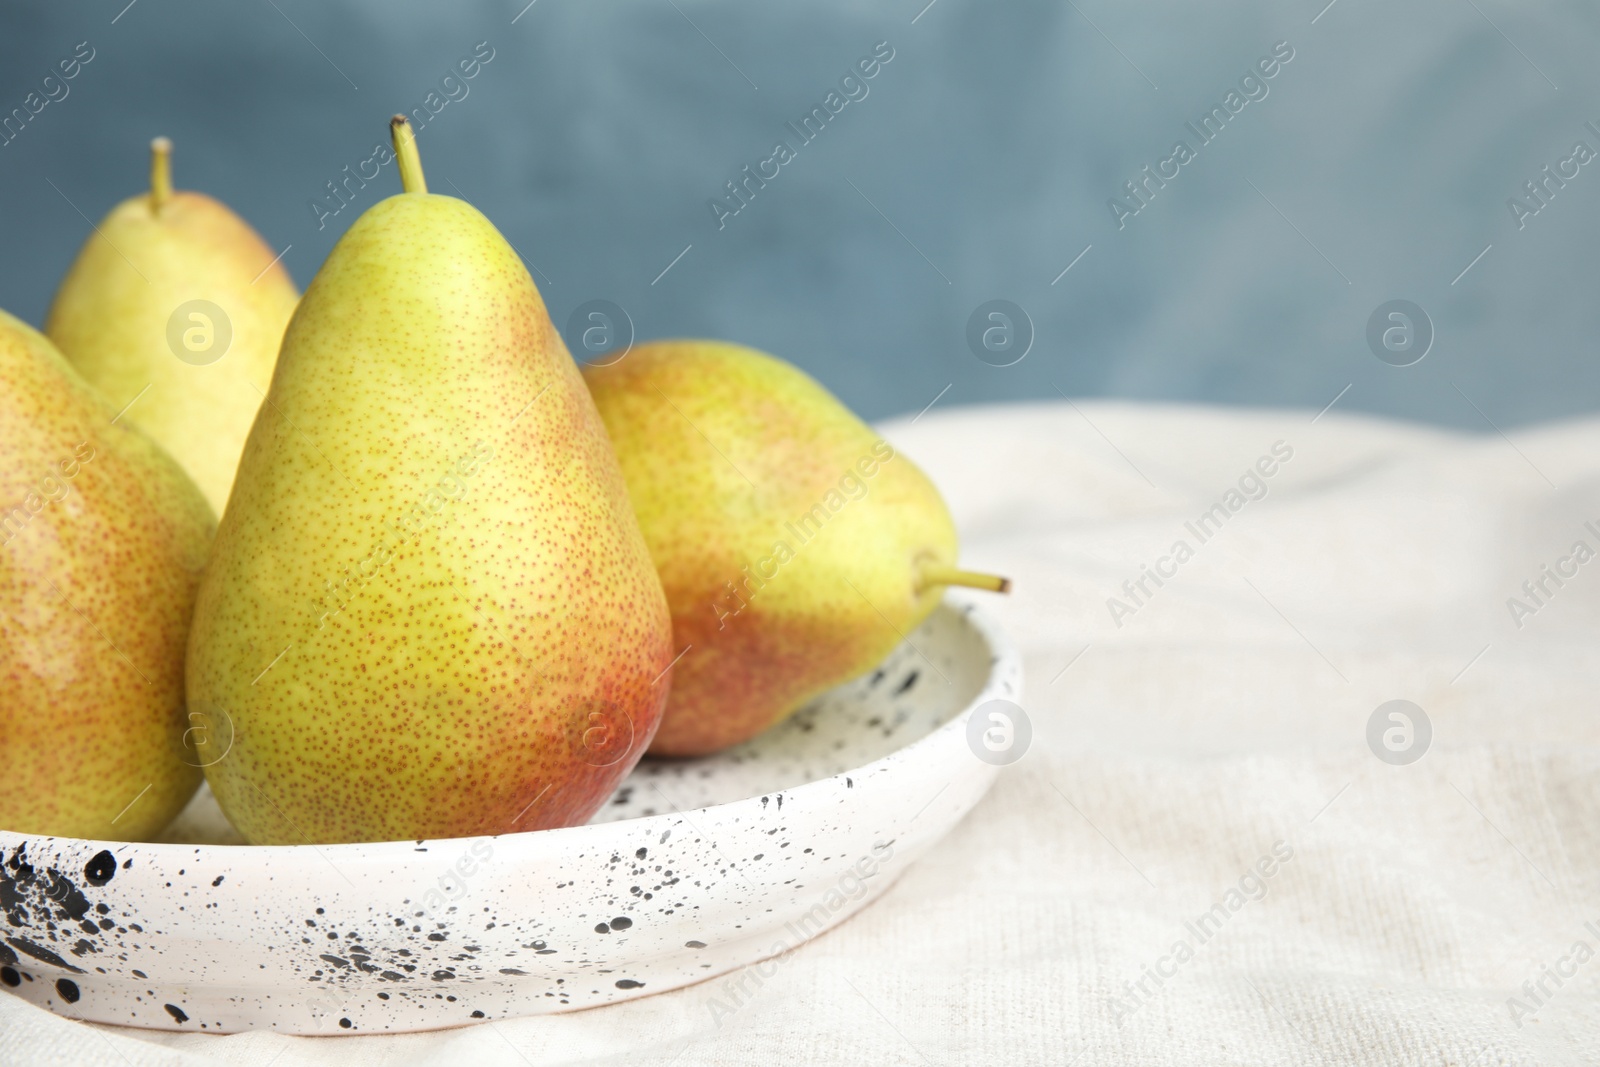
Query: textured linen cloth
1200 859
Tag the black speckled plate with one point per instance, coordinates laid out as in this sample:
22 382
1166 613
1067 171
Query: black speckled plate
691 870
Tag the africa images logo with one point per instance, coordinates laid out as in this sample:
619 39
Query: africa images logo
1140 190
852 87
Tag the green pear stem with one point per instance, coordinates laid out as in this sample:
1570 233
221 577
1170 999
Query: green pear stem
933 575
405 150
160 174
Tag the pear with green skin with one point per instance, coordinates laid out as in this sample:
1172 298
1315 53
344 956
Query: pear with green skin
796 547
124 317
429 612
104 540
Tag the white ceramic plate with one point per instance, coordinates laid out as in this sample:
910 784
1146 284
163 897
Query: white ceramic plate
692 869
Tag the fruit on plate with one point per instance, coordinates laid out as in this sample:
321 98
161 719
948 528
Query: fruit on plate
176 307
429 611
104 540
796 546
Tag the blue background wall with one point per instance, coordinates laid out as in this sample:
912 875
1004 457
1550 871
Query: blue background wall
978 166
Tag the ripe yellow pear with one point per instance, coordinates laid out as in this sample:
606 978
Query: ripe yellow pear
429 611
104 541
796 547
176 307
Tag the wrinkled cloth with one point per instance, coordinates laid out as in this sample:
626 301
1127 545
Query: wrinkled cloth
1218 848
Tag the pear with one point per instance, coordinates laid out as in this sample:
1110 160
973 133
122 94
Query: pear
104 540
176 306
796 546
429 611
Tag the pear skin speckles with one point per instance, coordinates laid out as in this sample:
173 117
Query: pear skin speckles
786 533
104 539
430 612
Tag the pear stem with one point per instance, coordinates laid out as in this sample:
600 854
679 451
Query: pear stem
405 151
935 575
160 174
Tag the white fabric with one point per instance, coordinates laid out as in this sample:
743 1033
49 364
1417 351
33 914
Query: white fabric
1228 713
